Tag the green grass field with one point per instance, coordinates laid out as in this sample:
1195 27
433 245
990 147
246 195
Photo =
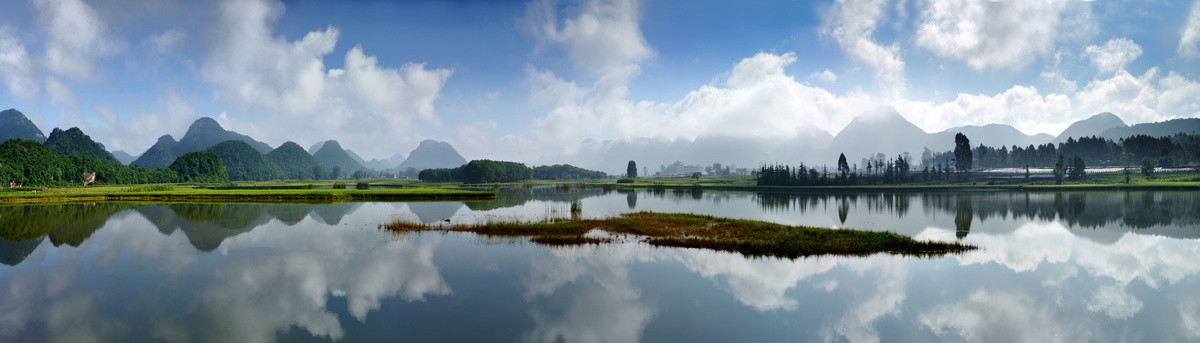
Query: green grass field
197 193
754 238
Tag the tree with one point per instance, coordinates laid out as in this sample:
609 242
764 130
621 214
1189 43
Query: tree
318 173
962 152
631 170
1078 169
335 172
843 166
1026 172
1127 172
358 175
1148 167
696 175
1059 170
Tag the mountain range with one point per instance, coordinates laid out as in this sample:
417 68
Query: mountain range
432 154
74 142
14 124
202 134
332 155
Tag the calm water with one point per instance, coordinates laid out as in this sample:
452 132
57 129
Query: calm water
1117 266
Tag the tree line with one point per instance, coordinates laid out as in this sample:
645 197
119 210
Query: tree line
30 163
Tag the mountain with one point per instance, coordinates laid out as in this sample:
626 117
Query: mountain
433 154
882 130
243 163
394 161
1093 126
159 155
123 157
1159 129
206 132
313 149
993 135
202 134
808 144
355 156
14 124
331 155
651 154
74 142
292 161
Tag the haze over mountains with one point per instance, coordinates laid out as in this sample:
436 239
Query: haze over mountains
883 130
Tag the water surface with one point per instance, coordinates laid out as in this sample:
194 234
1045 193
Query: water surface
1111 266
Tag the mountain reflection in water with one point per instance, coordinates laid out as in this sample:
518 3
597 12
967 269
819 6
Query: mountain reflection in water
1053 267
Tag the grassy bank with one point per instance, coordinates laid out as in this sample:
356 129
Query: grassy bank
181 193
748 237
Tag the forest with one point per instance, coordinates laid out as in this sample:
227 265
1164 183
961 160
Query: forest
30 163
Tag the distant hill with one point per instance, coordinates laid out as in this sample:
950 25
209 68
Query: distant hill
394 161
14 124
243 163
355 156
202 134
206 132
292 161
993 135
313 149
433 154
74 142
331 154
882 130
159 155
123 157
1160 129
1092 126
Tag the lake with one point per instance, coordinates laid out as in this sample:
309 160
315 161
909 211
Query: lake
1108 266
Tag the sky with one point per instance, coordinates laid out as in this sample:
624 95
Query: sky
532 80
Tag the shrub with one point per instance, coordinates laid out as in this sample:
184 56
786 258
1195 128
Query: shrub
362 185
339 185
626 180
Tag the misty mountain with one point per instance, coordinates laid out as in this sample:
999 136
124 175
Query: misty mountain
202 134
206 132
158 155
14 124
993 135
882 130
123 157
355 156
1171 127
74 142
331 154
808 145
1092 126
243 163
292 161
652 153
313 149
395 160
433 154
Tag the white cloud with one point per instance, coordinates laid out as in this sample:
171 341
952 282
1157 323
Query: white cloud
165 41
605 35
1021 106
998 316
75 36
826 76
16 68
991 34
1189 35
1114 54
61 94
852 25
268 77
1059 82
1114 301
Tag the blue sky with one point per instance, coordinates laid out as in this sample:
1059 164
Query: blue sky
531 80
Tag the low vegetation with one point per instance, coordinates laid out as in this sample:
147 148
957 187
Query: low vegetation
748 237
171 193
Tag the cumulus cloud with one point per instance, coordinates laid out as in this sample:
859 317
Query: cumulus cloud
61 94
75 36
852 25
603 36
991 34
16 68
826 75
165 41
261 74
999 316
1189 36
1114 54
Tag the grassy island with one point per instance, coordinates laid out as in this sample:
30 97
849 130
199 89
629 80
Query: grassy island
748 237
